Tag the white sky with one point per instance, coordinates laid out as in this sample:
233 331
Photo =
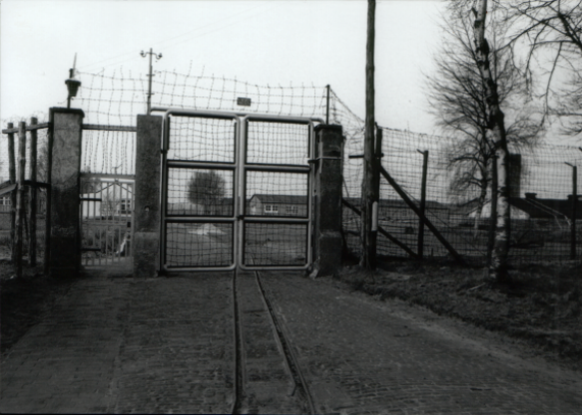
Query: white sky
275 42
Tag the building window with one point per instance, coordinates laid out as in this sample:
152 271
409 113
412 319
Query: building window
291 209
271 208
125 206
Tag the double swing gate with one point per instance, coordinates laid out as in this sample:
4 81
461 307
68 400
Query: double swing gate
236 191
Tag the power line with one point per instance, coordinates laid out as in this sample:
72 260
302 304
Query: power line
129 55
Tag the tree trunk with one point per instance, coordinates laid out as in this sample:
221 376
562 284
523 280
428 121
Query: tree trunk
498 263
481 203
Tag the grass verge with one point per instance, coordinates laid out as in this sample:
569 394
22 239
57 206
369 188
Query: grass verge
543 307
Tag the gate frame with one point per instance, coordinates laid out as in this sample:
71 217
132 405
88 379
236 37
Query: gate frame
239 168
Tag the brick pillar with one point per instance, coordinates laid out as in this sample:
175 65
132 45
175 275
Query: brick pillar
65 237
328 199
146 245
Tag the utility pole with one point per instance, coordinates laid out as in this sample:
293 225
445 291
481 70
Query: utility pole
369 195
158 57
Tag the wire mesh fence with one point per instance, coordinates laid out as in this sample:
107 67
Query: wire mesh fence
540 209
33 218
540 224
117 98
108 152
540 200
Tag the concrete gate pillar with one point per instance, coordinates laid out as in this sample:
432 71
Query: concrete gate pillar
65 236
146 233
328 199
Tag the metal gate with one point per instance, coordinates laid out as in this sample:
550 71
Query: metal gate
106 212
236 191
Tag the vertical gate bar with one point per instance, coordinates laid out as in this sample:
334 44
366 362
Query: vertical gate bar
33 195
132 219
91 215
99 222
164 190
48 194
116 219
18 245
106 223
236 194
115 222
310 187
574 211
240 167
12 178
327 87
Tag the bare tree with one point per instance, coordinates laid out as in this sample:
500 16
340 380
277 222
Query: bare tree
458 96
206 188
498 138
551 31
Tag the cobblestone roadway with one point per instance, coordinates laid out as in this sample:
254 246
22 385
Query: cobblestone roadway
148 346
166 345
359 357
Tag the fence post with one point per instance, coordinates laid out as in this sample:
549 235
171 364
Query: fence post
420 248
47 215
492 210
328 204
65 238
32 200
574 211
12 178
146 232
18 252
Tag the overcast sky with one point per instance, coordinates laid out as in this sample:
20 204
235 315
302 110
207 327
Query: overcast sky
275 42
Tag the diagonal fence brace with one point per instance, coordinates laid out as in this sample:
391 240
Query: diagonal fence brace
383 231
416 210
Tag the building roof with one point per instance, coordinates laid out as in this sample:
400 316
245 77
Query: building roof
400 204
281 199
6 187
540 208
545 208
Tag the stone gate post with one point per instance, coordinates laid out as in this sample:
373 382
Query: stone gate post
65 165
146 233
328 198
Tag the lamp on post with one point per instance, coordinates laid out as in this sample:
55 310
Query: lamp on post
72 86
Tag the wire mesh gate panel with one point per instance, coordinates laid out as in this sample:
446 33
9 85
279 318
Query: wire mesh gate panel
235 191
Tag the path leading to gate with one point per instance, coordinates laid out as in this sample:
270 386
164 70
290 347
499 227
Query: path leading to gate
168 345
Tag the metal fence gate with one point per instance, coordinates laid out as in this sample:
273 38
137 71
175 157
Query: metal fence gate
236 191
106 210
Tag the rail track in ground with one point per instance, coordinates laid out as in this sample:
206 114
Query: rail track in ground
253 313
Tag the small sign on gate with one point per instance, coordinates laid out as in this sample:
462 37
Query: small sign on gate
245 102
